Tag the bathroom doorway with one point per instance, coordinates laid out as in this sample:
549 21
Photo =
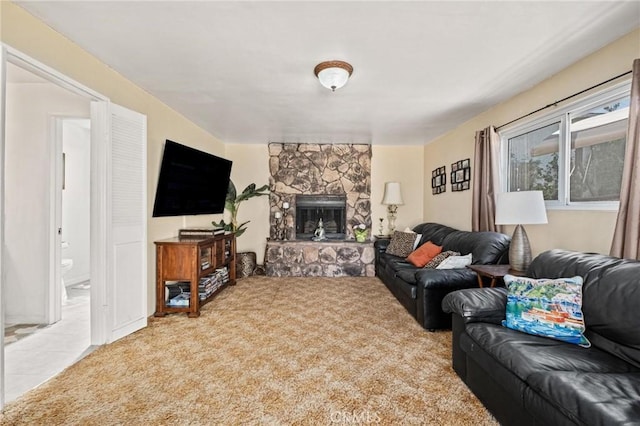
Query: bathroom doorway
47 324
72 138
31 234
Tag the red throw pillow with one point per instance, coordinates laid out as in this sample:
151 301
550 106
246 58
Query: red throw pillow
423 254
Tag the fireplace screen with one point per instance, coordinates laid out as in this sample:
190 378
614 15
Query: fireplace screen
311 208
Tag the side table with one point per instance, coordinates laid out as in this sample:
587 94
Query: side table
493 272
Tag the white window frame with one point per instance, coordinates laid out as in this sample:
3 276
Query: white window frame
562 115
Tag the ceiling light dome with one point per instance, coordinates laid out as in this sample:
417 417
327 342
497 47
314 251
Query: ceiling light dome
333 74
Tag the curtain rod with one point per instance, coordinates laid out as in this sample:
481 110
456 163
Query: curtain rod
564 99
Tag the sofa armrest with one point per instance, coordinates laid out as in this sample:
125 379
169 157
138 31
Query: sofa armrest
381 244
477 304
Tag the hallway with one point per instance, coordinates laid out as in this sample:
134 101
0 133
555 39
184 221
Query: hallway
34 359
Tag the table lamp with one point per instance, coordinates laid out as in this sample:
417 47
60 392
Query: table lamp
392 199
518 208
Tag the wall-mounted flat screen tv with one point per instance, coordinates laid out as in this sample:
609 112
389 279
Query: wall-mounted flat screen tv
191 182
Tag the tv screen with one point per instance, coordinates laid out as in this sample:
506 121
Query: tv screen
190 182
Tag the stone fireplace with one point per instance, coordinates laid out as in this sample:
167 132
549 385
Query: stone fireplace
317 169
332 182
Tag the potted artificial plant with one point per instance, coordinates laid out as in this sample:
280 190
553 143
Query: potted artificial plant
245 262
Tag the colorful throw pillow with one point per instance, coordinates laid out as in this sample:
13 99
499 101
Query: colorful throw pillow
433 263
546 307
455 262
423 254
401 243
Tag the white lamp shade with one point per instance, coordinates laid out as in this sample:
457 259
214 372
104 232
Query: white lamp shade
333 78
520 208
392 194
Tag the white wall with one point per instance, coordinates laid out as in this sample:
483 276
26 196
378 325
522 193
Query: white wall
27 189
76 198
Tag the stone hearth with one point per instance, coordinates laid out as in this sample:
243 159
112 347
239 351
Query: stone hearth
319 259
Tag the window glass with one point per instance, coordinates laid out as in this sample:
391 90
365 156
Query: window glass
598 138
533 161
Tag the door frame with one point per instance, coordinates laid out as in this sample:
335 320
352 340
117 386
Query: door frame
99 227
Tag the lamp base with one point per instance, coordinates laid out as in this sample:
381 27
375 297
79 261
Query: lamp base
391 217
519 250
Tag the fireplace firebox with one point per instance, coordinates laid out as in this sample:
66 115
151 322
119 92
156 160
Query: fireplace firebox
330 208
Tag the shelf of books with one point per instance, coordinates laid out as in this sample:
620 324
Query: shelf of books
191 271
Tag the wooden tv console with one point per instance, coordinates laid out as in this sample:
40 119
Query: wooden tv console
184 263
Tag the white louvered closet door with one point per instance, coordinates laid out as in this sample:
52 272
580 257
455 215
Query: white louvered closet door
127 196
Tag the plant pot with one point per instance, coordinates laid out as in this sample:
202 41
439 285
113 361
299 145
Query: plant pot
245 264
361 238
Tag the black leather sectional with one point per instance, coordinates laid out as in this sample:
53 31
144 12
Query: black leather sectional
530 380
421 290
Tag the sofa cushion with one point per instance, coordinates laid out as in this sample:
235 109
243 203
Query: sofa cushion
524 354
433 232
401 244
546 307
588 398
610 297
486 247
423 254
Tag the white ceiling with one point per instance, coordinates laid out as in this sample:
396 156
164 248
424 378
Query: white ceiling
243 70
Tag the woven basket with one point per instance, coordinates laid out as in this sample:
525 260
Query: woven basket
245 264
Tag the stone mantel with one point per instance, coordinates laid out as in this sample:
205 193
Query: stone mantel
329 258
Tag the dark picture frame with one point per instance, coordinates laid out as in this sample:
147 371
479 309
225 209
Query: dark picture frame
461 175
439 180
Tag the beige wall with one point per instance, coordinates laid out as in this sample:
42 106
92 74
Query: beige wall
31 37
251 165
400 164
571 229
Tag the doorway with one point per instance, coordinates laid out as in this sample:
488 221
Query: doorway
45 329
118 241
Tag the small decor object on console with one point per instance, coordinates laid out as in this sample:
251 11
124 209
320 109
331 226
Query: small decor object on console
461 175
439 180
546 307
360 231
381 227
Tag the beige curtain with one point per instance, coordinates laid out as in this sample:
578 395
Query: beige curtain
485 180
626 237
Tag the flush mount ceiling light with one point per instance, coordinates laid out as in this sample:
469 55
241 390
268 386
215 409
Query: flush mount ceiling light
333 74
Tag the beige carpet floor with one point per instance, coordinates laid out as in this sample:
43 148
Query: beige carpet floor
267 351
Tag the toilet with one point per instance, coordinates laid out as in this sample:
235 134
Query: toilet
66 266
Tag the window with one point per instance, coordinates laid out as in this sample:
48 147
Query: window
574 155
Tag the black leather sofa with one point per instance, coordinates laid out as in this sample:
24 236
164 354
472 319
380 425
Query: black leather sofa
421 290
530 380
